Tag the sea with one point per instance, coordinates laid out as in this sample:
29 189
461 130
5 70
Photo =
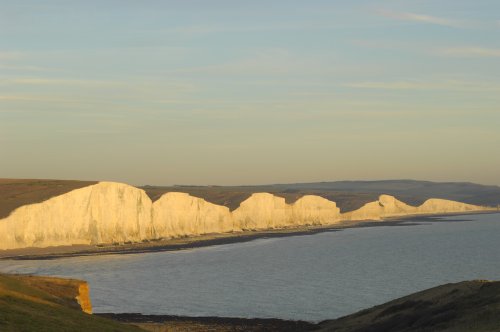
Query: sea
300 277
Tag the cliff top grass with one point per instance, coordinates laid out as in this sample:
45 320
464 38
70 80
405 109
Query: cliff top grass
25 307
15 193
232 197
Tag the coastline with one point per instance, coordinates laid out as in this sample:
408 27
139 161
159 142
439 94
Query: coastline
209 323
216 239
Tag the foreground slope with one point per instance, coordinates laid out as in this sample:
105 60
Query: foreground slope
48 304
457 307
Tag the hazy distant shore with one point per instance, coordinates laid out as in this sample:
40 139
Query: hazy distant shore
214 239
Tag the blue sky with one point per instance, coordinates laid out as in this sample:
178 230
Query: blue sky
243 92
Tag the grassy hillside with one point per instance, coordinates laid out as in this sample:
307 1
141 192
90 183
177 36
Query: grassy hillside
459 307
349 195
233 196
414 192
26 307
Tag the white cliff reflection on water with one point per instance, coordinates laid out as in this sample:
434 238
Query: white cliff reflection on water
309 277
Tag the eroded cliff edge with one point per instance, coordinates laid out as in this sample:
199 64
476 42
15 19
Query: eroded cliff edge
108 212
37 303
71 292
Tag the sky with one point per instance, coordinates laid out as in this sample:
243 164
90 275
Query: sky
230 92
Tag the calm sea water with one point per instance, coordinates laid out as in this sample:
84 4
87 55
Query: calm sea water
311 277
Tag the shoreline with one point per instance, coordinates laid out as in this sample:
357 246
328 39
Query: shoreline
212 323
207 240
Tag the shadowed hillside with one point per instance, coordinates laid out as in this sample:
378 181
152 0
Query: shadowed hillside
16 192
415 192
464 306
233 196
349 195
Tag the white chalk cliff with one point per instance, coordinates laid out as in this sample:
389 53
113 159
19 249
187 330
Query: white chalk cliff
102 213
262 211
109 212
435 205
179 214
266 211
314 210
386 206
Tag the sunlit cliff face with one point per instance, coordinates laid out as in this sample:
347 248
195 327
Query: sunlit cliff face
83 297
109 212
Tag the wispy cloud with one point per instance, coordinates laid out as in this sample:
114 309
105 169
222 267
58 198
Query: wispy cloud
452 85
194 30
421 18
429 49
266 63
131 87
34 98
24 68
7 55
51 81
199 30
481 52
10 60
50 99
